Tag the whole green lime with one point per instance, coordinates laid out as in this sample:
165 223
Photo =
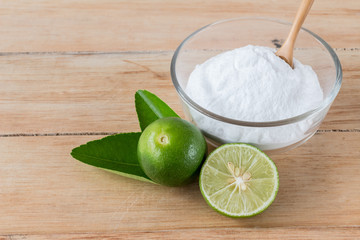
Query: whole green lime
171 150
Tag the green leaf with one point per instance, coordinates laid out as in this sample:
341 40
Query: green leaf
150 108
116 153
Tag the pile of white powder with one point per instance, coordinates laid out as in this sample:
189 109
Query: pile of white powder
253 84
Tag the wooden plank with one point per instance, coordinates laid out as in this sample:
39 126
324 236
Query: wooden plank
327 233
44 191
79 92
65 93
345 111
112 25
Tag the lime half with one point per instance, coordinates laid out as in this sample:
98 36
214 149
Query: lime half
239 180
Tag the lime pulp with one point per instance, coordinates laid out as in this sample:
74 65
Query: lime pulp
239 180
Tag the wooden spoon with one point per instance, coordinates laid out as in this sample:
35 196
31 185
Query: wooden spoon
286 50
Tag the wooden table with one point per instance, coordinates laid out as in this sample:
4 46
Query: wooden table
68 74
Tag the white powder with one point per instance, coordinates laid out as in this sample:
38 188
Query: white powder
253 84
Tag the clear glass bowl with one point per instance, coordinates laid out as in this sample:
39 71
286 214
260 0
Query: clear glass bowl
272 136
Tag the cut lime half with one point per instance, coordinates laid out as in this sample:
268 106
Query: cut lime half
239 180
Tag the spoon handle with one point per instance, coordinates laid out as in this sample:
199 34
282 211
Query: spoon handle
299 19
286 50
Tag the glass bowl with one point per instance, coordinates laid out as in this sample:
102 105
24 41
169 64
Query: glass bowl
272 136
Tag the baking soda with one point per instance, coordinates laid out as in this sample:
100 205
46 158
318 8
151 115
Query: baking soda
253 84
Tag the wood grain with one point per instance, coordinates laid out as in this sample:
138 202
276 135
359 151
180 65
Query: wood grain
112 25
43 190
68 73
328 233
66 93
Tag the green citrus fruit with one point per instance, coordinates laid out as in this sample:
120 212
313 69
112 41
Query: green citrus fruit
239 180
170 150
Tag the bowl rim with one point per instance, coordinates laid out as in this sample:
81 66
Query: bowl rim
325 103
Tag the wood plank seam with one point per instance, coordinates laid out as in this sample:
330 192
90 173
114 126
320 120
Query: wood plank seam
301 229
86 52
57 134
118 52
112 133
